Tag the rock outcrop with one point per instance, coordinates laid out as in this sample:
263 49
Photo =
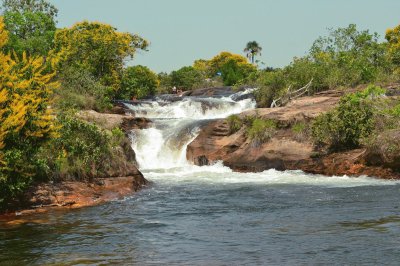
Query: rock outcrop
119 175
110 121
284 151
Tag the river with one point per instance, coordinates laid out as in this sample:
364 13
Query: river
210 215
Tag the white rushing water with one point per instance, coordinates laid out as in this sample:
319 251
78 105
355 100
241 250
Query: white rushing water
161 150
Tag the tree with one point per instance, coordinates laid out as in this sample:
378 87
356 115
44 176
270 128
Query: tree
35 6
31 26
393 38
252 49
186 78
98 48
27 121
232 73
138 81
349 56
232 67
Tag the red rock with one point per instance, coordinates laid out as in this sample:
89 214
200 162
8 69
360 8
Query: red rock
283 151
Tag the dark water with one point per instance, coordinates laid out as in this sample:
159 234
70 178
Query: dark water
187 222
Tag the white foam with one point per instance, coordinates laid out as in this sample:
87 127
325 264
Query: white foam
161 150
219 174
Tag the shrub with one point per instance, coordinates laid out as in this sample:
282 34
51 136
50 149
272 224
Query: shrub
270 85
347 125
81 91
186 78
235 123
261 131
79 152
138 81
301 131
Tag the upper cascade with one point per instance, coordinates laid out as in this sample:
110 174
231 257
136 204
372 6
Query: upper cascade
176 123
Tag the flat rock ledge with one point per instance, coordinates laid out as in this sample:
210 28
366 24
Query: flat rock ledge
73 195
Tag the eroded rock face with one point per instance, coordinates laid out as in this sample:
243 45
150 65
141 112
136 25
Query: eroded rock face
284 151
110 121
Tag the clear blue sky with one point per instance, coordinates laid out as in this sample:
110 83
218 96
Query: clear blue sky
181 31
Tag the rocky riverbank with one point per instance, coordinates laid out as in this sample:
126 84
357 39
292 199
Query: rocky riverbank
286 150
121 179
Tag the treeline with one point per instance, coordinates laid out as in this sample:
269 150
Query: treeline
347 57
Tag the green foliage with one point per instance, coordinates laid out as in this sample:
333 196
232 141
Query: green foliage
138 82
165 85
232 72
81 91
27 120
252 49
348 124
79 151
261 131
345 58
393 38
98 48
395 111
234 123
301 131
187 78
270 85
31 26
35 6
299 127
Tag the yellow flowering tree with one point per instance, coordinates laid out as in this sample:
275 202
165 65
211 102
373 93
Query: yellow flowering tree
393 38
232 67
98 48
26 118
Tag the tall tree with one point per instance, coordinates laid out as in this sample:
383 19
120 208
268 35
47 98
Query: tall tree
31 26
26 119
393 38
138 81
252 49
98 48
186 78
34 6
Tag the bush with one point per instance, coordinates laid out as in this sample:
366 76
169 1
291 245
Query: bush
347 125
79 152
301 131
261 131
235 123
81 91
187 78
138 82
270 85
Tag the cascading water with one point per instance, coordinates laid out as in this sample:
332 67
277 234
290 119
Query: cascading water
175 125
161 149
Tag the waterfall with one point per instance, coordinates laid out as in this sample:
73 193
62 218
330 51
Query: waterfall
176 124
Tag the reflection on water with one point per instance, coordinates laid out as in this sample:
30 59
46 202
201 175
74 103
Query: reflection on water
381 225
